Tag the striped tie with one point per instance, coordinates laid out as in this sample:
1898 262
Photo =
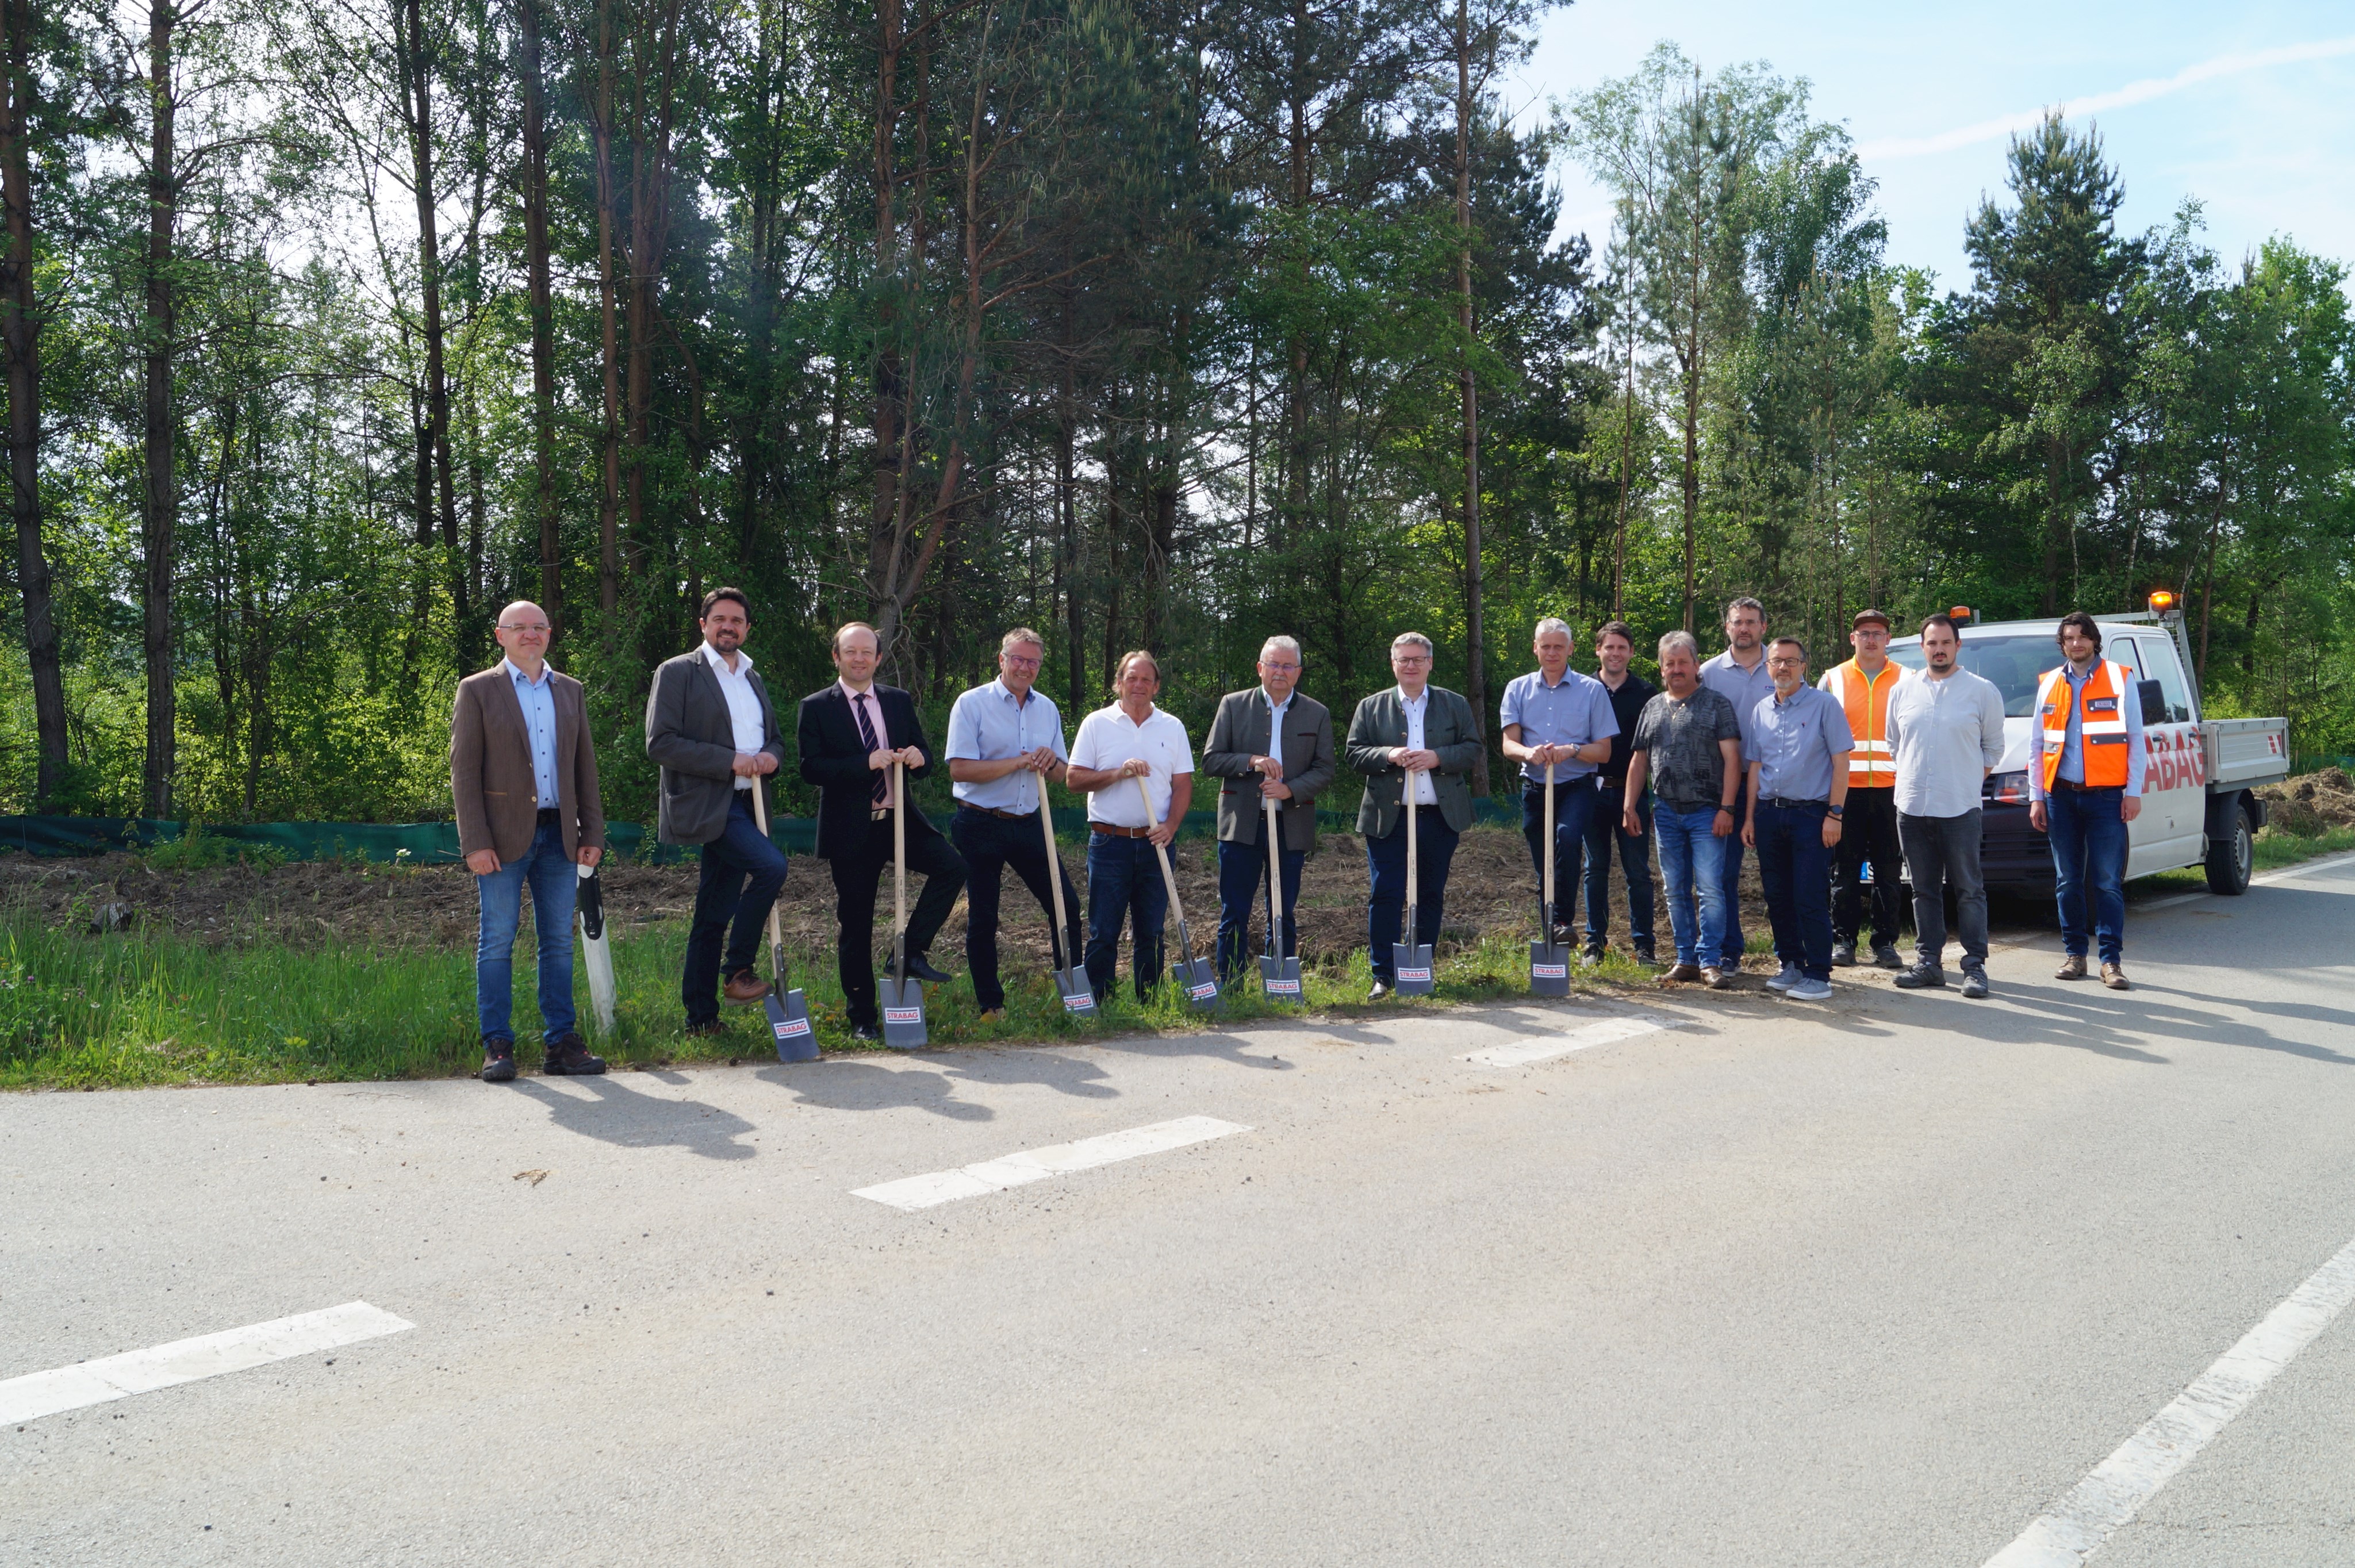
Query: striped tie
880 790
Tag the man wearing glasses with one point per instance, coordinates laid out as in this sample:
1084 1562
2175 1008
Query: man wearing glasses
523 779
1425 736
1797 744
1271 741
1006 741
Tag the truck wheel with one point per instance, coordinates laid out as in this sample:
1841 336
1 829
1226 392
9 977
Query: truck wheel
2231 860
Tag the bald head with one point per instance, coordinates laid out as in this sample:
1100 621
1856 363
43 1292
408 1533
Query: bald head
523 631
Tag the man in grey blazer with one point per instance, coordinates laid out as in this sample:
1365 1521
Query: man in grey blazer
713 731
1427 733
1269 742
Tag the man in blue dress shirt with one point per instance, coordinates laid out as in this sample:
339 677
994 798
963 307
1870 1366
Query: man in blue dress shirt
1554 717
1796 745
1740 675
1006 741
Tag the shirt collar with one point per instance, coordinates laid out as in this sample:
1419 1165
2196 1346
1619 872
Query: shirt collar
854 695
1797 695
711 656
516 674
1423 696
997 687
1149 714
1554 685
1273 705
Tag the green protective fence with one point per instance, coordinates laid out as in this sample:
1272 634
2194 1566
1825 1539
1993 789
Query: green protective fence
436 843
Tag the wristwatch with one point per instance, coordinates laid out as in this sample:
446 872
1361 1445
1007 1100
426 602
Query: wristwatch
1834 810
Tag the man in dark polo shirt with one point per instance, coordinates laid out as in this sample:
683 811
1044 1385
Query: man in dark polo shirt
1614 644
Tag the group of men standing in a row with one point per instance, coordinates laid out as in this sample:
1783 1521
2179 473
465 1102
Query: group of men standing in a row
1738 753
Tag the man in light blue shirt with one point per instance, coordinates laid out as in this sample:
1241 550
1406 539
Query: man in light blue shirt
1004 743
1796 747
1555 720
537 697
1740 675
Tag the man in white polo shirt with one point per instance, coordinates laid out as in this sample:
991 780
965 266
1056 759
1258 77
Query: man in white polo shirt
1130 740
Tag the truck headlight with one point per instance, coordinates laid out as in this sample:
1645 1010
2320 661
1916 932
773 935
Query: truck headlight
2007 789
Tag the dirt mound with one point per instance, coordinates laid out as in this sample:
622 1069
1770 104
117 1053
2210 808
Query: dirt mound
2311 805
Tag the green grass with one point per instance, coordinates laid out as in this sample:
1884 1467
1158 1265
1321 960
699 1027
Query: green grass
79 1011
2277 848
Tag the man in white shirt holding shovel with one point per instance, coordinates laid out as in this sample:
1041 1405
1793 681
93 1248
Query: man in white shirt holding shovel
1132 739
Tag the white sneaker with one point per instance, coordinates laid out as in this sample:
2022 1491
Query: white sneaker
1786 979
1807 990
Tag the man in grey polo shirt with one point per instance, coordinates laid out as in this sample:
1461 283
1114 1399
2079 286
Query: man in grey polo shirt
1798 748
1946 728
1740 675
1006 741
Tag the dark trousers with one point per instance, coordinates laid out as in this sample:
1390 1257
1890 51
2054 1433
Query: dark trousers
2088 829
742 874
1797 872
1574 803
1243 872
1603 829
1868 838
989 844
1434 851
858 877
1124 885
1943 852
1728 878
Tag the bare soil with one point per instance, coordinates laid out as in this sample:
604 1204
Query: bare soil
2311 806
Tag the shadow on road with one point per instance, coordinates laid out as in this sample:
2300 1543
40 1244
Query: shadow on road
839 1085
623 1117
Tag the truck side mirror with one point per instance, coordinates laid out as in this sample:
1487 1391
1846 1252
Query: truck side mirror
2154 702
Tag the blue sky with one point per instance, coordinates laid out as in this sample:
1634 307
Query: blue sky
2267 142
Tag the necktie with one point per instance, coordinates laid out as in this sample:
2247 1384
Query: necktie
880 790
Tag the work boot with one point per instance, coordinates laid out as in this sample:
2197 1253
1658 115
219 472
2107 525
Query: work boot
2072 967
1844 955
1885 956
1679 972
2113 977
498 1062
1975 981
744 988
1922 977
568 1057
921 968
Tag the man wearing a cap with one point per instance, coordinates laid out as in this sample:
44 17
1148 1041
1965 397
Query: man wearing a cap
1869 832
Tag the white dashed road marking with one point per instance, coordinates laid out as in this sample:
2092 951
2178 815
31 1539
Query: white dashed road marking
1522 1052
2129 1479
1038 1164
186 1360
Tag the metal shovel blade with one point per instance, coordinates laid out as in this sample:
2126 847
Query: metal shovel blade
596 949
1549 969
789 1024
903 1014
1197 984
1280 978
1079 996
1410 964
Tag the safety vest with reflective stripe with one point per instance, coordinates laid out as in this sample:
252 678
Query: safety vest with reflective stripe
1872 764
2101 722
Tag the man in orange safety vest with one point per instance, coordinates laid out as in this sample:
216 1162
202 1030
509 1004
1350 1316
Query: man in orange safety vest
1862 684
2085 786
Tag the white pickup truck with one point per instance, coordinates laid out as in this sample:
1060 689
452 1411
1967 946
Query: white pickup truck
2197 809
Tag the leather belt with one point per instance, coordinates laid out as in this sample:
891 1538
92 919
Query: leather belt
1109 831
551 816
1780 804
2079 788
993 811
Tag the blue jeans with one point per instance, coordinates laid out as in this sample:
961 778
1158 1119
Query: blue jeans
2088 830
1730 878
1634 858
1692 861
1243 872
742 874
555 884
1797 870
1434 851
1574 803
1124 885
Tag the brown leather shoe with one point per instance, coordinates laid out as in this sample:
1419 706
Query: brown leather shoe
744 987
1684 972
2072 967
1716 979
2114 977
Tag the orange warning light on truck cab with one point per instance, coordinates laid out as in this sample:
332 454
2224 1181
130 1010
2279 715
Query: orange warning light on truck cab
2161 602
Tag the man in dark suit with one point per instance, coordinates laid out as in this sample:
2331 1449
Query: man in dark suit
1270 741
1428 734
523 779
711 728
850 733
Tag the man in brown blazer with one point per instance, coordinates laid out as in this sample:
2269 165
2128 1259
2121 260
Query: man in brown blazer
523 776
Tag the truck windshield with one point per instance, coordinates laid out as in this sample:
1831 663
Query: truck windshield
2012 663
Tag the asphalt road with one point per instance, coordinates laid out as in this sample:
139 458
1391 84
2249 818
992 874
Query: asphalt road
1872 1283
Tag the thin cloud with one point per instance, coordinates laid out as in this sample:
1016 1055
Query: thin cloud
2134 92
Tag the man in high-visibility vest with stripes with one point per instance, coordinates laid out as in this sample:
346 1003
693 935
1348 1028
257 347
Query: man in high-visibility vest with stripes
1870 836
2085 788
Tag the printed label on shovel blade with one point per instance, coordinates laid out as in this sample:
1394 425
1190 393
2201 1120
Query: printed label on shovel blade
1550 971
792 1027
1417 975
1079 1002
1202 991
1284 988
903 1015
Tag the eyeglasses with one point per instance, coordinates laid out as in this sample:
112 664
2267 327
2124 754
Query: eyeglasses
1013 663
1409 658
1279 669
1785 662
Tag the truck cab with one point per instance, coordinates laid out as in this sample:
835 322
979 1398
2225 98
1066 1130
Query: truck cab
2197 809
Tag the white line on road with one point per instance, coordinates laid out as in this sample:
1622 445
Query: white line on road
186 1360
1522 1052
1038 1164
2129 1479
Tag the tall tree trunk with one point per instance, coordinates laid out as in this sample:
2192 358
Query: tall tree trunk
418 67
159 512
20 335
543 316
609 503
888 390
1476 669
650 169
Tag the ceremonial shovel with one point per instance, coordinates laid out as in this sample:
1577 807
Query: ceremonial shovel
1410 963
1198 982
1279 976
599 951
1548 960
1071 982
903 999
789 1019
